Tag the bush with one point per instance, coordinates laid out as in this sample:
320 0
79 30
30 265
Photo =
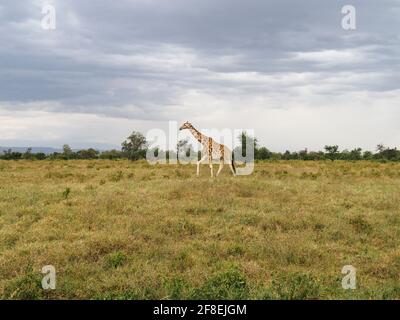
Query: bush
230 284
26 287
297 286
115 259
361 225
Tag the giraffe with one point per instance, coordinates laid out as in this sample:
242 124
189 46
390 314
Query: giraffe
211 149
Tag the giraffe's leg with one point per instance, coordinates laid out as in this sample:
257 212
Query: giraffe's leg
231 166
199 162
210 152
233 171
221 165
211 166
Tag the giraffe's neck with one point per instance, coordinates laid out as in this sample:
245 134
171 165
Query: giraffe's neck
197 134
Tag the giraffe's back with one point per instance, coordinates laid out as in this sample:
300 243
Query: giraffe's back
220 151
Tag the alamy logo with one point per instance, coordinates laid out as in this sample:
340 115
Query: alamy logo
49 19
349 280
49 280
349 20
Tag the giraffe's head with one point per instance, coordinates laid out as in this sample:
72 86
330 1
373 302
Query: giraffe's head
186 125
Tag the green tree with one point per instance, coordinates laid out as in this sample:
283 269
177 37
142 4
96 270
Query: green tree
263 153
332 152
356 154
182 147
135 146
287 155
88 154
367 155
111 154
40 156
28 154
303 154
67 152
11 155
380 148
245 138
390 154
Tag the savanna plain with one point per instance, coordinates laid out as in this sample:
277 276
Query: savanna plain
130 230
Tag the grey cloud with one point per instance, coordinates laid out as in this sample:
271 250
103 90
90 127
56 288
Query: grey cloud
142 58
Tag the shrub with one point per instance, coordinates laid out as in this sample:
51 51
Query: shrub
176 288
115 259
297 286
230 284
66 193
26 287
117 176
361 225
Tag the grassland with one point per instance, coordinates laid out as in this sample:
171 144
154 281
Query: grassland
128 230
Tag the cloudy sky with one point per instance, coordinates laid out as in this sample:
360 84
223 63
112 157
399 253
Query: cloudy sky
286 69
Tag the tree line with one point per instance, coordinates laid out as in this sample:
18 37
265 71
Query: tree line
136 146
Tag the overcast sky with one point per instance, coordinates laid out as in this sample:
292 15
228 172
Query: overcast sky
286 69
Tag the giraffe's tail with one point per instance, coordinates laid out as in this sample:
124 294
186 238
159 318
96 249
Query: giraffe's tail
233 162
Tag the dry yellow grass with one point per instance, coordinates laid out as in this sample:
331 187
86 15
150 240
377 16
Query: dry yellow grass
124 230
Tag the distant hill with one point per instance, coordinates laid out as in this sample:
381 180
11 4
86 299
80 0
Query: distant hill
48 150
45 150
